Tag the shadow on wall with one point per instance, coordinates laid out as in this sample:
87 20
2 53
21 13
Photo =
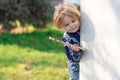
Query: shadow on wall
116 7
87 28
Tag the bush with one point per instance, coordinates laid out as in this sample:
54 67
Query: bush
36 12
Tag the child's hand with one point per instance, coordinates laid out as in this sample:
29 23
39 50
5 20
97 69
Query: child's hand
75 48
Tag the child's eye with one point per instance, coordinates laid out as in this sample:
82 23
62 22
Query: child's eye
73 20
66 24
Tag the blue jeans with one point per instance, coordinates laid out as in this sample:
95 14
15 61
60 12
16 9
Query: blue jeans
73 70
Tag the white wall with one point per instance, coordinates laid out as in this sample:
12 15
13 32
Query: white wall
101 32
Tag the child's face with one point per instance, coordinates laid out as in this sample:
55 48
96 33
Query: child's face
70 25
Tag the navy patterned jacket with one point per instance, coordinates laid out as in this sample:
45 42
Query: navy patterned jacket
72 38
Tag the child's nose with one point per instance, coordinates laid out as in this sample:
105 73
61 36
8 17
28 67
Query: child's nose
71 25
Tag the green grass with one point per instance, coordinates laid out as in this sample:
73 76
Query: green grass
32 56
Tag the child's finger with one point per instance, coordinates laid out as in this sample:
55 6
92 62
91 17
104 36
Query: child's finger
75 47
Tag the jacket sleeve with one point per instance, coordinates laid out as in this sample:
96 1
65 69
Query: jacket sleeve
67 48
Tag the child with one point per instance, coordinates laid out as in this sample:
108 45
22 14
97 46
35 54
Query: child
67 17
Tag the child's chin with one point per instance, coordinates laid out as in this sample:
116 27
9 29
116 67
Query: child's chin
74 31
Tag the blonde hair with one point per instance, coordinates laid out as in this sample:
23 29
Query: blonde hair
62 10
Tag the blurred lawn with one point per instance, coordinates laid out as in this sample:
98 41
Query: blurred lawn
31 56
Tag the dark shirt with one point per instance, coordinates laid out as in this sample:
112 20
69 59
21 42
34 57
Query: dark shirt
73 38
